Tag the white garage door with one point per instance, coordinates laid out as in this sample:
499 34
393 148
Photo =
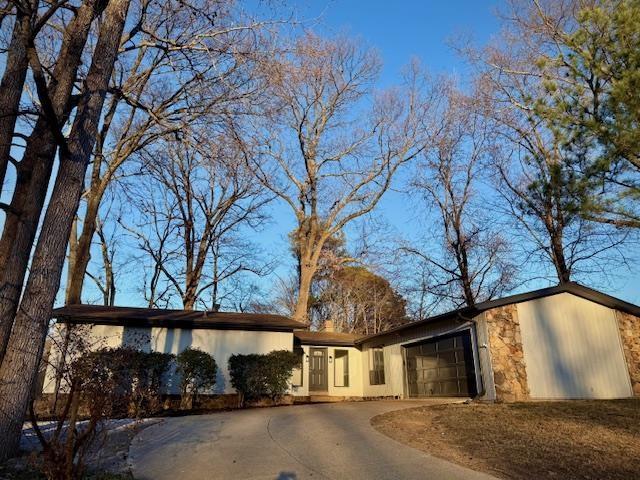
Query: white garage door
572 349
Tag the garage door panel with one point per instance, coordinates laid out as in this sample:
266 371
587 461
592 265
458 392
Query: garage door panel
448 372
427 349
450 387
445 358
431 374
446 344
441 367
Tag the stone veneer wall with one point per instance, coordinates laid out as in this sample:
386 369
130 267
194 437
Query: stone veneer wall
629 326
507 356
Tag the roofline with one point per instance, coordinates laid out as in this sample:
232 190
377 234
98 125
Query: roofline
279 323
327 343
570 287
167 323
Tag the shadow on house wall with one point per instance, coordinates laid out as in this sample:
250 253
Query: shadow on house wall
137 337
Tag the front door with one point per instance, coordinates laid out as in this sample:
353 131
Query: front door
318 370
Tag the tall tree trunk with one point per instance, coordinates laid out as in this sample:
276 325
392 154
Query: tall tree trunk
465 277
15 73
109 293
307 271
24 352
82 252
559 261
34 171
77 272
73 255
83 248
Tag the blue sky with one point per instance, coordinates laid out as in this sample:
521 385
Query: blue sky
404 29
400 31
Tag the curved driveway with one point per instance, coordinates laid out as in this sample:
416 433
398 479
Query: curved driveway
319 441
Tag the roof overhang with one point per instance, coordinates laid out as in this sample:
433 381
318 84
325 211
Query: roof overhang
148 317
325 339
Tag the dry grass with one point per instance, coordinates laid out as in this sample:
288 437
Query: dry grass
550 440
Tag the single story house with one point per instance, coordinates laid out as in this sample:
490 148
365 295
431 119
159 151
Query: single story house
563 342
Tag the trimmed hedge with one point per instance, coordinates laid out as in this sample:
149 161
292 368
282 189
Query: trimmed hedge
132 378
198 370
255 375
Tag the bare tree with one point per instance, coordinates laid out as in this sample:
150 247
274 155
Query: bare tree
180 69
234 260
201 194
467 255
329 157
35 166
24 351
105 282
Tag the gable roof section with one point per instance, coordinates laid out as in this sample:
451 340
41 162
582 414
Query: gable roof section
156 317
331 339
571 287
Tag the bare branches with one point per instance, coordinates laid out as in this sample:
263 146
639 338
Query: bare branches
467 256
200 196
327 163
176 69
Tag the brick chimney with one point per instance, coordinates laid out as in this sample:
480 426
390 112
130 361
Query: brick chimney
328 326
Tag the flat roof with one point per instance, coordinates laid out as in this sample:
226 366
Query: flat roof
157 317
338 339
570 287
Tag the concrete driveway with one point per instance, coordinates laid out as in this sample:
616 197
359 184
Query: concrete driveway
320 441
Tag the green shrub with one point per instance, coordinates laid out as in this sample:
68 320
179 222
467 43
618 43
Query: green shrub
254 376
135 378
198 370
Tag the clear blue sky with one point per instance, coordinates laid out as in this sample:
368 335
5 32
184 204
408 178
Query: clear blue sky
403 29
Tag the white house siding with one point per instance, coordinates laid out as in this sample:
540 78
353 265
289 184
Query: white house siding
393 372
355 378
96 337
572 349
219 343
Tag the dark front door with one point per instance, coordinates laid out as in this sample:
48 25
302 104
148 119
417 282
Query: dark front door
318 370
442 366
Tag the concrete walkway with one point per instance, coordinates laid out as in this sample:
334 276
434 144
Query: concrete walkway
320 441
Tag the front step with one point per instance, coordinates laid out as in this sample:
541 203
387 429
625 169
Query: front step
324 398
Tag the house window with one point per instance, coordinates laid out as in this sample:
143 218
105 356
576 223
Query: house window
376 366
296 374
341 368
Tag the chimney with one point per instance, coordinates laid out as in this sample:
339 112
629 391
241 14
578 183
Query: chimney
328 326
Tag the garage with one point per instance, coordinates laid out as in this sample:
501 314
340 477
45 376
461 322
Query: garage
441 366
572 349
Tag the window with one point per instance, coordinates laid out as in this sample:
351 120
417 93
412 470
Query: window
341 368
376 364
296 374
